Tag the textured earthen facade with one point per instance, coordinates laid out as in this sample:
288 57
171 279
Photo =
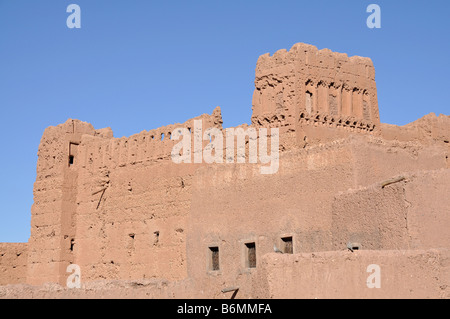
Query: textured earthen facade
123 211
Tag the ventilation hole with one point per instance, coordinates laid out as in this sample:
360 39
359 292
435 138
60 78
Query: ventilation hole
72 243
162 136
71 160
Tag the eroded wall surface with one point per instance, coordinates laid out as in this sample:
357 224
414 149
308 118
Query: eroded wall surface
413 213
122 209
13 263
403 274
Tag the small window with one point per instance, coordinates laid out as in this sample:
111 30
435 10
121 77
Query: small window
73 149
287 248
251 255
214 258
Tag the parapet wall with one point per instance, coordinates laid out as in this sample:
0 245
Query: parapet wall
147 146
428 129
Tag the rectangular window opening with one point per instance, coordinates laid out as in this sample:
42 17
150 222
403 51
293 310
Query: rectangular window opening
214 258
73 149
251 255
288 247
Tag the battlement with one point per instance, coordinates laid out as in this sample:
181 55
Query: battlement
307 83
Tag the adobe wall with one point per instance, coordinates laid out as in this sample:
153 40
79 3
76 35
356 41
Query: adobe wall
299 202
428 129
338 274
376 159
234 204
13 263
121 209
132 205
410 214
333 274
53 211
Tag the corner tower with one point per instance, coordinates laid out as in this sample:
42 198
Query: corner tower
53 212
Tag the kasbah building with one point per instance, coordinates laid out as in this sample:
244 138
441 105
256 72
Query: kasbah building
355 209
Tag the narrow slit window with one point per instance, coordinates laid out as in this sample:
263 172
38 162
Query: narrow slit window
251 255
214 258
288 247
73 149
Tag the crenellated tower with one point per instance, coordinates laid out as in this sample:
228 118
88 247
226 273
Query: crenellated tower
309 87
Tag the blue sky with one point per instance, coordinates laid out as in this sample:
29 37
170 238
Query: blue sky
139 64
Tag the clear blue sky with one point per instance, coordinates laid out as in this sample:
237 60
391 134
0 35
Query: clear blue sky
138 64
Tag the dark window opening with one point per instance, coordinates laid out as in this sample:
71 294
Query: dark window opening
155 238
251 255
72 243
214 254
288 247
73 148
